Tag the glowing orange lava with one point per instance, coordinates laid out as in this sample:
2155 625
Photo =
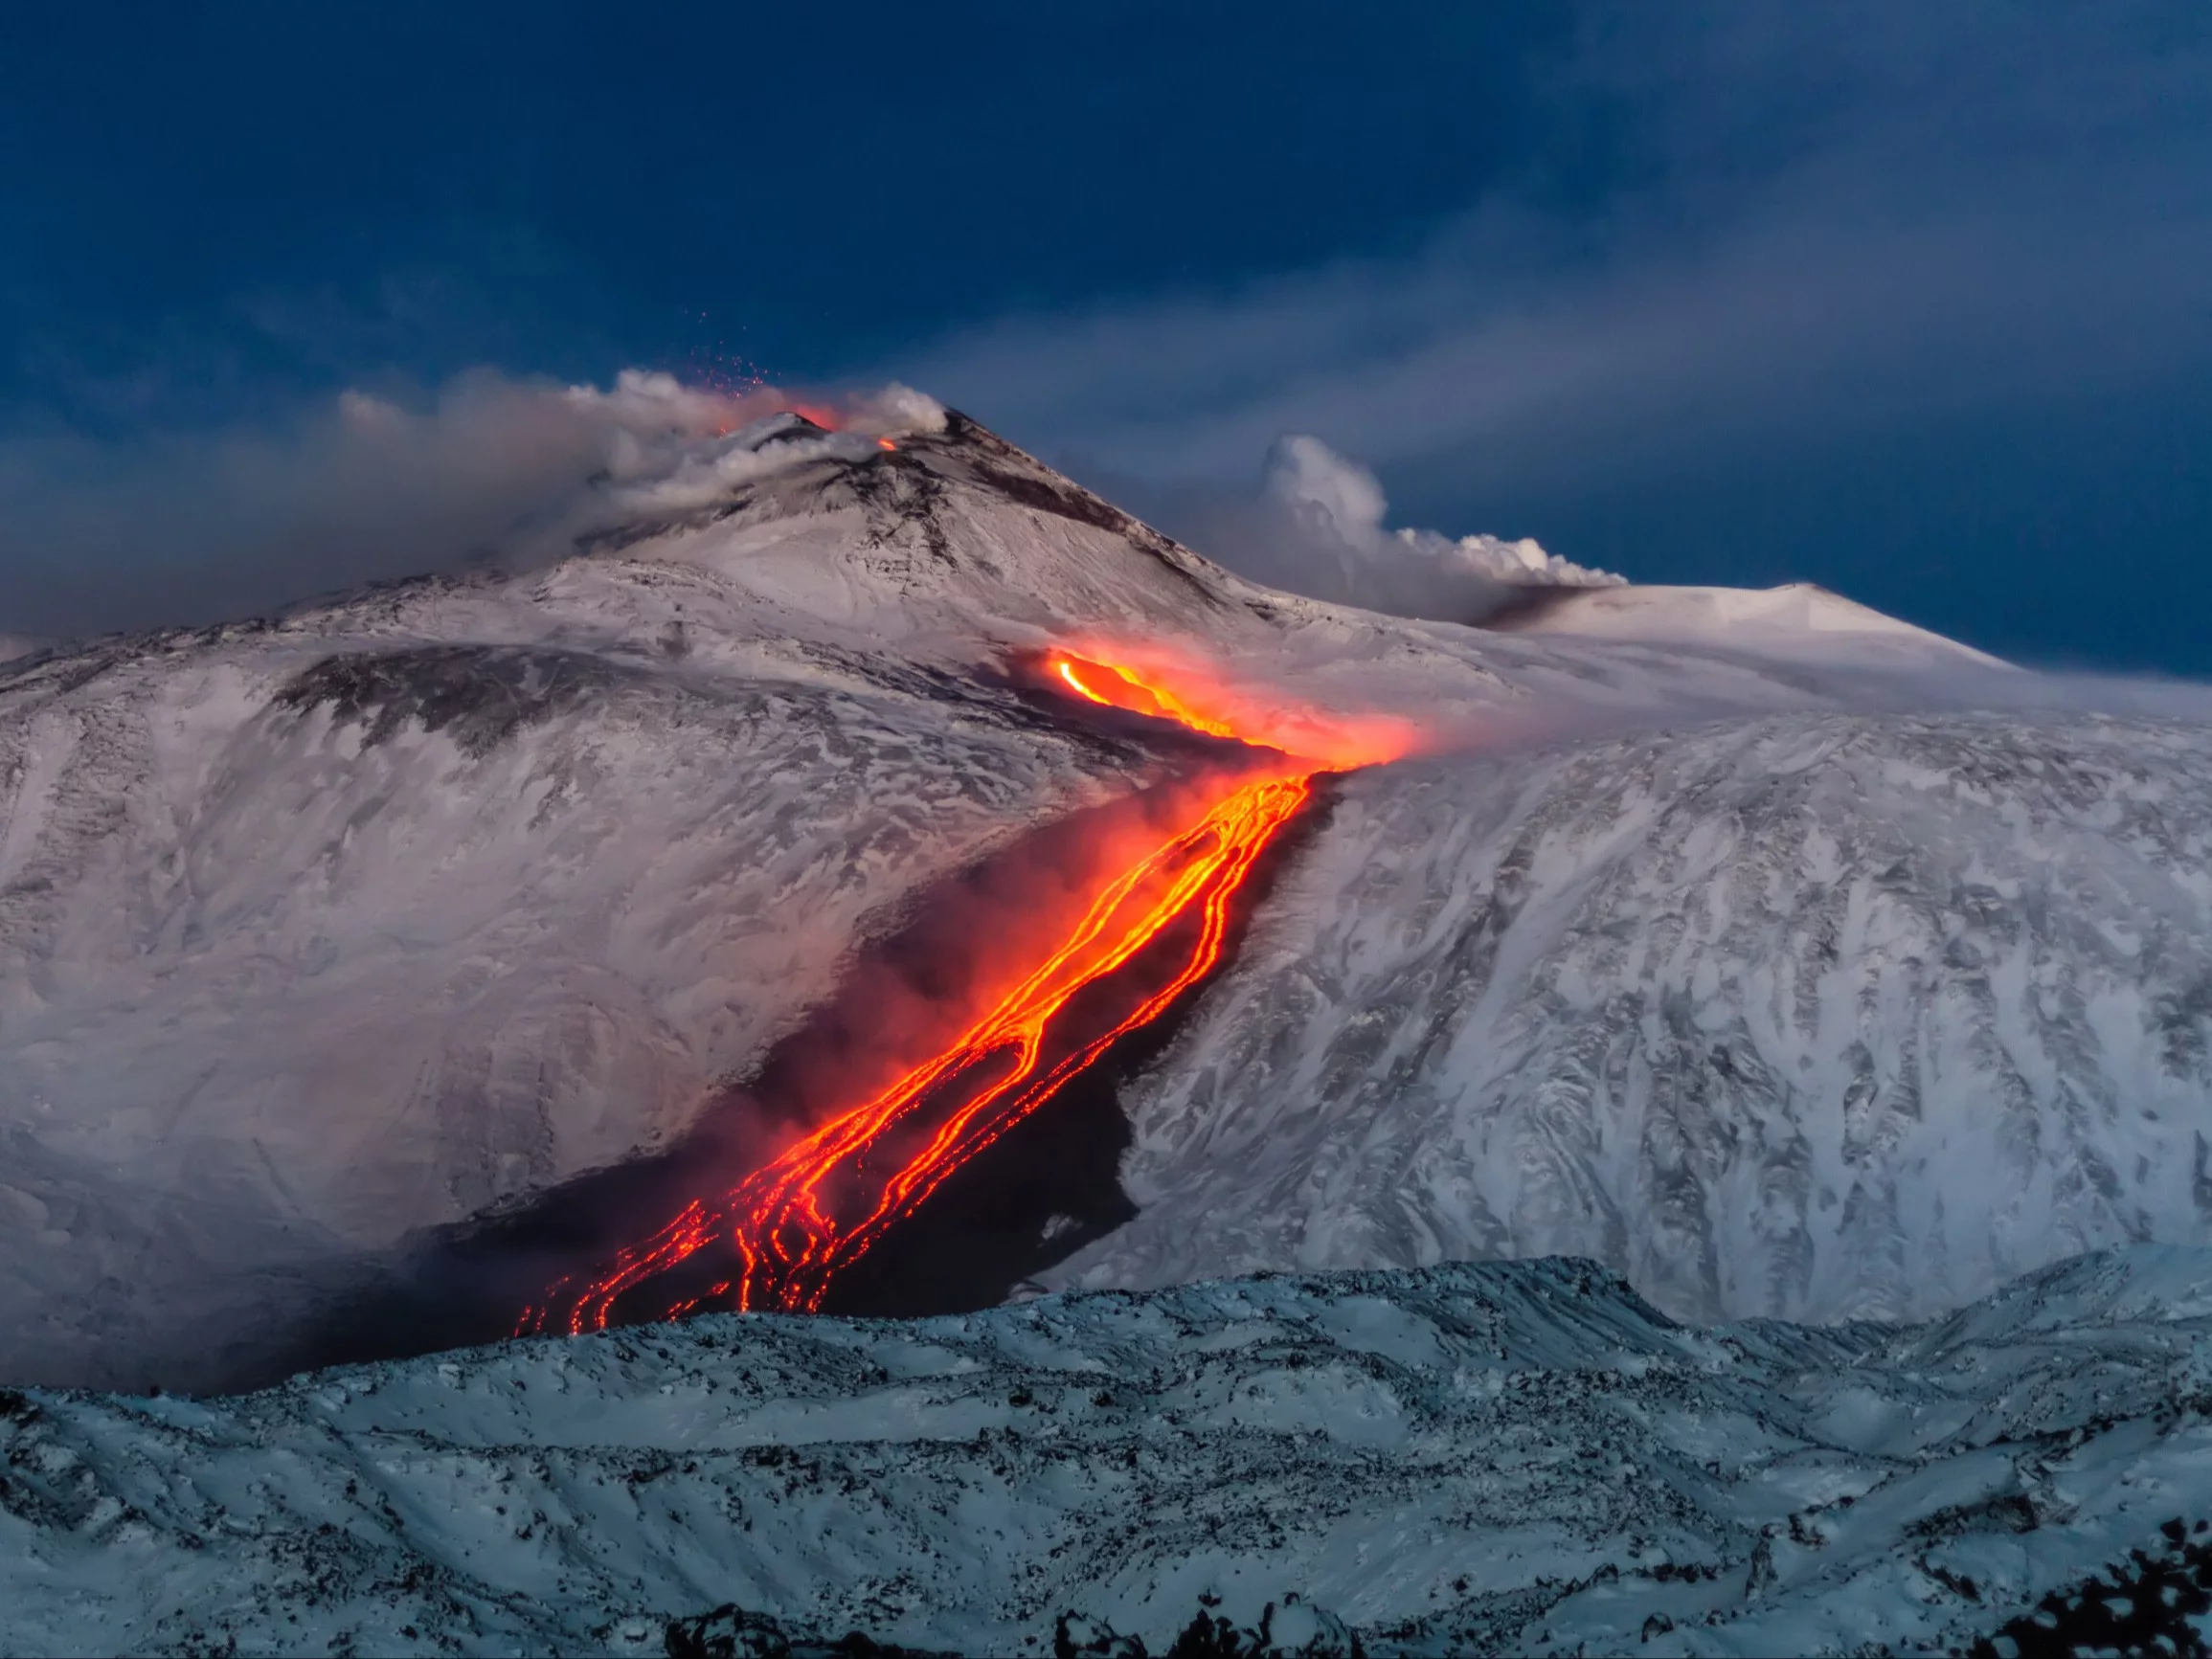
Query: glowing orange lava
1191 696
1122 688
792 1226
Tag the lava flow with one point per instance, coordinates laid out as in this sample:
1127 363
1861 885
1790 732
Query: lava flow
792 1226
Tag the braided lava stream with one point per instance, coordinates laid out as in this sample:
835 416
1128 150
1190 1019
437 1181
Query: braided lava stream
791 1226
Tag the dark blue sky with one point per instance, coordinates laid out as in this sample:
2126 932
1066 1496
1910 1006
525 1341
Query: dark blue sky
1910 304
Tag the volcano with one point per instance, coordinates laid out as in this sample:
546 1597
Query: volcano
1788 959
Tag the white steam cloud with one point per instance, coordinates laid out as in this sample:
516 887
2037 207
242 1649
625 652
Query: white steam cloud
1317 527
192 527
1339 500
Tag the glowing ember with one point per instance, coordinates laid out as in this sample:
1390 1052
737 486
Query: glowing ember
792 1226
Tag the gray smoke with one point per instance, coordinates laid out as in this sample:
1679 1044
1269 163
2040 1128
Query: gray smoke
197 527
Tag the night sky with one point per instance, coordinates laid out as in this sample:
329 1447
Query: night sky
1910 300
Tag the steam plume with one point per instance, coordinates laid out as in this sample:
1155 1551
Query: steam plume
1317 527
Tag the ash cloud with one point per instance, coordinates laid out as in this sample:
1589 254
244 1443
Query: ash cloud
186 527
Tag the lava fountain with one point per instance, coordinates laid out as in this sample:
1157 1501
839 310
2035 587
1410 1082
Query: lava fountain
784 1233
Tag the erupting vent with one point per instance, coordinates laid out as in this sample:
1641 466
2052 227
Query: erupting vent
792 1226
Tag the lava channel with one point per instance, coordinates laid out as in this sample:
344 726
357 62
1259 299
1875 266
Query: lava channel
781 1235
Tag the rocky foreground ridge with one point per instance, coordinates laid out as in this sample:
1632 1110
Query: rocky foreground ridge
1513 1457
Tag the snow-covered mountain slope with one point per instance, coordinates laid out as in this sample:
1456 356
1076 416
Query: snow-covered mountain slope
319 931
277 947
1507 1457
1818 1017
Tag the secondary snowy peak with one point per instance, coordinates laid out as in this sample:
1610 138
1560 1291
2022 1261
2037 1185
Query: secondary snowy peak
1514 1458
1797 618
